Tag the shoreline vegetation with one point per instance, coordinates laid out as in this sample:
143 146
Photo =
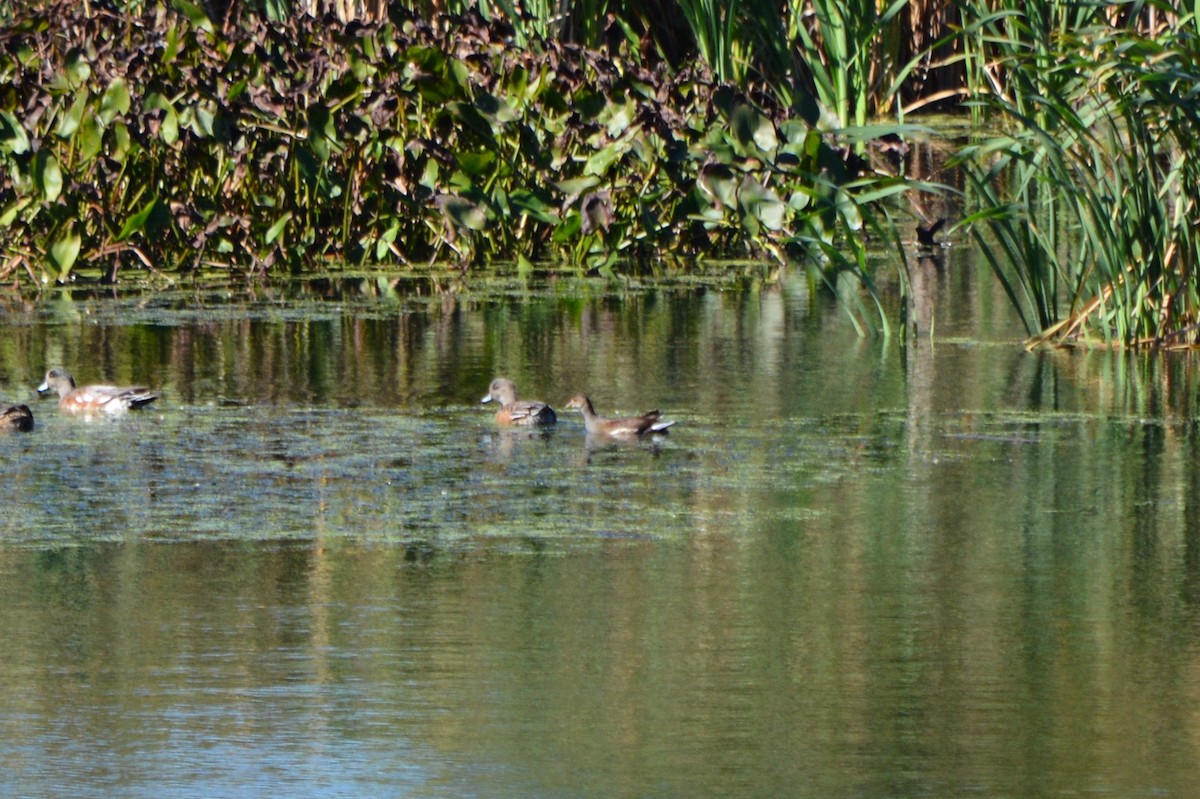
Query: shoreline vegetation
162 139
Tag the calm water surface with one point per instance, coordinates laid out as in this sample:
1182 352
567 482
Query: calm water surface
316 568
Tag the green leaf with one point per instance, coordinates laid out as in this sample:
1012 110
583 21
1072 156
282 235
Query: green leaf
322 136
459 72
576 186
600 161
277 228
751 127
430 175
848 210
517 82
121 142
568 228
799 200
605 265
195 15
172 49
617 117
64 252
206 120
199 119
427 59
13 139
115 101
169 128
47 175
496 109
438 90
138 221
90 138
762 203
9 214
69 122
476 163
236 90
471 119
370 48
526 202
718 182
462 212
77 71
384 245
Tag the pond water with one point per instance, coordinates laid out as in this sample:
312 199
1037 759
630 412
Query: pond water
316 568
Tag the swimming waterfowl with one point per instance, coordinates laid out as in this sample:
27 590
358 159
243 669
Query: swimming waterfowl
517 412
925 235
16 417
629 427
93 399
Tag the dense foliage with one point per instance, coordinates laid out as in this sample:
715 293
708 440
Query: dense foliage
155 139
249 136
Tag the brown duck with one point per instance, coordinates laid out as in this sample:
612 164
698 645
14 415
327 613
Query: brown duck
517 412
16 417
630 427
93 399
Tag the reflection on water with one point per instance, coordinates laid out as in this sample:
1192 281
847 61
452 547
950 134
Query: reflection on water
317 568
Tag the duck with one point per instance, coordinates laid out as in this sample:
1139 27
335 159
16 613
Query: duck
527 413
630 427
16 417
93 399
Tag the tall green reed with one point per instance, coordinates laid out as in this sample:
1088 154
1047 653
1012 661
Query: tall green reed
1087 206
838 62
846 54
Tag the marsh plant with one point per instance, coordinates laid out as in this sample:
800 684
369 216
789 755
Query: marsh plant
1087 205
175 136
146 135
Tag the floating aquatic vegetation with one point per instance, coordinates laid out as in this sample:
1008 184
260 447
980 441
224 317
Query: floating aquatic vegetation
150 138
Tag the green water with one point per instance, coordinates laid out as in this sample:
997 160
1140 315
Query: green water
316 568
